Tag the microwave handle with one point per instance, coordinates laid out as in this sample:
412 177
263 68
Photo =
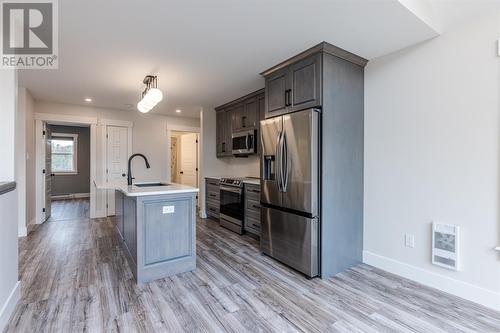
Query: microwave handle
248 141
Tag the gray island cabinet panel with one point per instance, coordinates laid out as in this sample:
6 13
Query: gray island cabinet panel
160 234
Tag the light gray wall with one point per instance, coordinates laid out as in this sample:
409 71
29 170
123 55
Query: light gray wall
432 152
79 183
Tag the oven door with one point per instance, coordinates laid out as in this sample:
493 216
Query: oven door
244 143
231 203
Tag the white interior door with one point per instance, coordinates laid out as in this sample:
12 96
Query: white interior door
189 159
117 158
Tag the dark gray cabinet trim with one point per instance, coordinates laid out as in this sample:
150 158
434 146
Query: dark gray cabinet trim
6 187
321 47
239 100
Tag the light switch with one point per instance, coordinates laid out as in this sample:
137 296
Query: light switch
168 209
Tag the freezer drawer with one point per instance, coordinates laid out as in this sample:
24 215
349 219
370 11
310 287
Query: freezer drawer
291 239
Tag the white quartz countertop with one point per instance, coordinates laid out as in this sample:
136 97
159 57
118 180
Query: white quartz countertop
135 191
253 181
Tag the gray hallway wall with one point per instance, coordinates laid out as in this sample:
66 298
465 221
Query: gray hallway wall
79 183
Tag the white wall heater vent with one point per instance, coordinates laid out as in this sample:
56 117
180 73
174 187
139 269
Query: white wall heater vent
445 245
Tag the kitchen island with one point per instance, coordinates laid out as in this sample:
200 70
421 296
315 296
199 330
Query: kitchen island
156 224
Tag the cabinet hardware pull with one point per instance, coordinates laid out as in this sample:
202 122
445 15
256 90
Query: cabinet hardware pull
287 97
212 195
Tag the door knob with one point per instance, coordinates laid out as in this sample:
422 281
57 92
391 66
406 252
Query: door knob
124 175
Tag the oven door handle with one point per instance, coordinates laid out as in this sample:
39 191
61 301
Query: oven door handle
230 189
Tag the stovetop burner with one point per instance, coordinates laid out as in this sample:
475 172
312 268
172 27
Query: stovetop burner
236 182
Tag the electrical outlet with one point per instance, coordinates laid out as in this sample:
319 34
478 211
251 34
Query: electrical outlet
168 209
409 240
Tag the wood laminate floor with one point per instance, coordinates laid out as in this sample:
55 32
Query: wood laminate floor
69 209
75 278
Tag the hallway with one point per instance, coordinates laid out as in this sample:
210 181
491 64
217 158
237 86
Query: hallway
69 209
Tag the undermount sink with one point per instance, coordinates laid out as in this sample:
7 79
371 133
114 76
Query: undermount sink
151 184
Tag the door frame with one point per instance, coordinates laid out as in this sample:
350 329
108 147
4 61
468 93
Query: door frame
66 120
180 128
115 123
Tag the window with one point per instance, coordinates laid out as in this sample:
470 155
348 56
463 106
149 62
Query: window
64 152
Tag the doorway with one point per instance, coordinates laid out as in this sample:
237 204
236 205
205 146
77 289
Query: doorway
184 161
63 168
67 185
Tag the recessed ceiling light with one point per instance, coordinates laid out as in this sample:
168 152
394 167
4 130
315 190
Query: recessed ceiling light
88 100
178 110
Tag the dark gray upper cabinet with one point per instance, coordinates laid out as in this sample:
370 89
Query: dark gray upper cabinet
251 113
297 83
262 108
295 87
228 131
224 122
220 135
305 83
276 87
243 114
239 117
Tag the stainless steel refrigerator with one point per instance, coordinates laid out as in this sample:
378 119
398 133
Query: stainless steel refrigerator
290 190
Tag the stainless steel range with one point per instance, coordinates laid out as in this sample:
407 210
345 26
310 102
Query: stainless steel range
232 204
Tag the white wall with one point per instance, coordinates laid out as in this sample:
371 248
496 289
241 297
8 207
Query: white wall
9 286
432 153
8 100
149 134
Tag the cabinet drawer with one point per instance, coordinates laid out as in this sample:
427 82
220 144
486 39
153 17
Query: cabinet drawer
213 211
252 206
213 193
252 192
212 181
252 226
251 214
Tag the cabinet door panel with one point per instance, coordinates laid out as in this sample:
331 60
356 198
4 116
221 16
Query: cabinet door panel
238 118
220 135
251 114
167 236
276 85
262 108
306 83
228 130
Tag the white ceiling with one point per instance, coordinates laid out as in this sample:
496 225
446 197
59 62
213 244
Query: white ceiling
205 53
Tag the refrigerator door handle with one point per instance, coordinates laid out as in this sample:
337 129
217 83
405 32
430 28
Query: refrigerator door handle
278 162
286 167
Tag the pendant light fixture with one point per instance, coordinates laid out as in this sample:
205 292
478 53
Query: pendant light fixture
151 94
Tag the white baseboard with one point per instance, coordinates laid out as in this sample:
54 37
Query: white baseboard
71 196
9 305
22 232
203 214
488 298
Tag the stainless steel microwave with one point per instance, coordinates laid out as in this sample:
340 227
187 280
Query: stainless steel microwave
245 143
